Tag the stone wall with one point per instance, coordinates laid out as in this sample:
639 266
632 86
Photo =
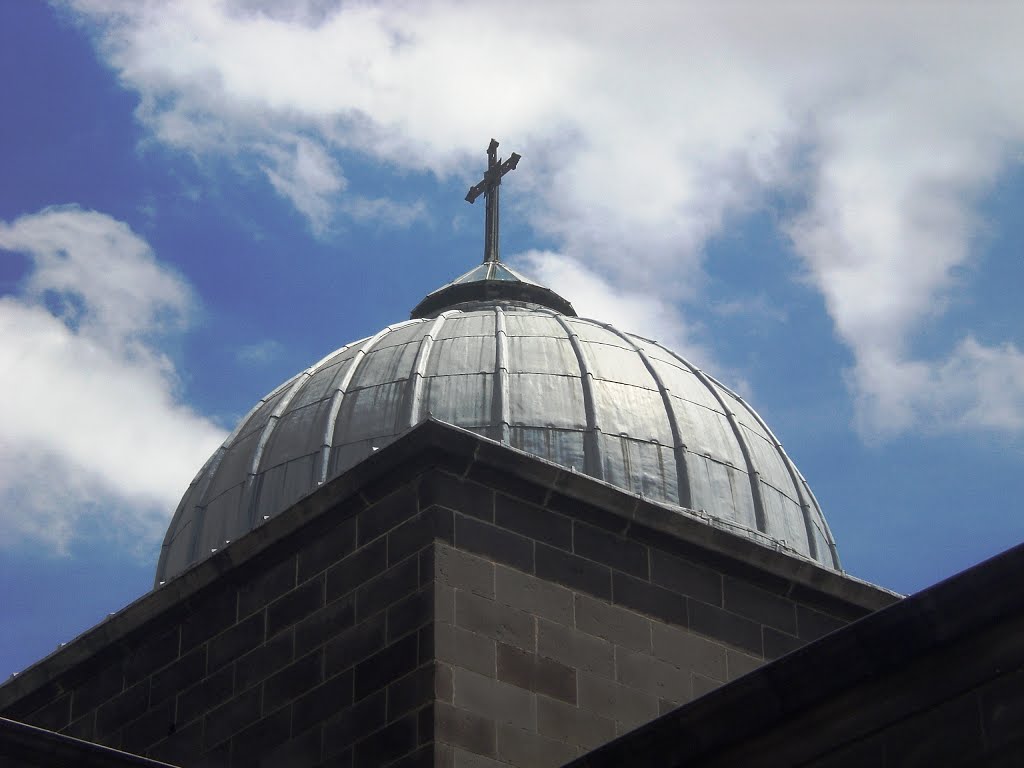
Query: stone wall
935 680
559 630
319 653
448 602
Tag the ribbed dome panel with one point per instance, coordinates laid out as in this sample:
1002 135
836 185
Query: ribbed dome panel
576 392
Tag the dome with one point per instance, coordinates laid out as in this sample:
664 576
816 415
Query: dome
506 358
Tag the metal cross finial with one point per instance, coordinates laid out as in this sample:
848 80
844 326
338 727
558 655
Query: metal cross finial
489 188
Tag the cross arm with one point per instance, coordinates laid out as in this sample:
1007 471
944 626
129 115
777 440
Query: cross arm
493 177
475 192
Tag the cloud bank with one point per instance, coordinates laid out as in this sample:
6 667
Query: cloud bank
94 439
648 130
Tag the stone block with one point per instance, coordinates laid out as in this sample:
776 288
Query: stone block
390 587
213 690
262 662
464 570
466 729
443 683
813 624
563 722
292 681
53 716
295 605
728 627
355 644
494 543
649 598
251 744
572 571
521 488
151 655
228 719
327 548
575 649
651 675
212 615
381 668
329 621
778 643
418 532
615 551
463 759
182 745
411 613
235 641
536 673
388 744
444 603
104 685
613 701
265 587
187 670
580 508
686 650
124 707
324 700
533 522
685 578
665 706
702 685
494 620
299 752
463 648
613 623
365 563
143 732
83 728
425 643
423 757
462 496
389 512
363 717
758 605
493 699
411 692
531 750
739 664
829 604
532 595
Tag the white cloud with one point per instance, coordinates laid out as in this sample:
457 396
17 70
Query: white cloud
593 297
384 210
259 353
92 435
308 177
647 129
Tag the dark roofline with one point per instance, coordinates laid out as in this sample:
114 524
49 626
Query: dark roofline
434 444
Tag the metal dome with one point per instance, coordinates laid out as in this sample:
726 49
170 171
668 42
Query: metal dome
506 360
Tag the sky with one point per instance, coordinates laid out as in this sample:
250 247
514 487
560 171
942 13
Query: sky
818 203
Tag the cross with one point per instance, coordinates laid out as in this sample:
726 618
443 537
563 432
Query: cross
488 187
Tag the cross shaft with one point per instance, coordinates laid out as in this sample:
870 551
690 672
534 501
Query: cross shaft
488 187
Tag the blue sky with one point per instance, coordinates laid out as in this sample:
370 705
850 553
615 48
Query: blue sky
817 203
